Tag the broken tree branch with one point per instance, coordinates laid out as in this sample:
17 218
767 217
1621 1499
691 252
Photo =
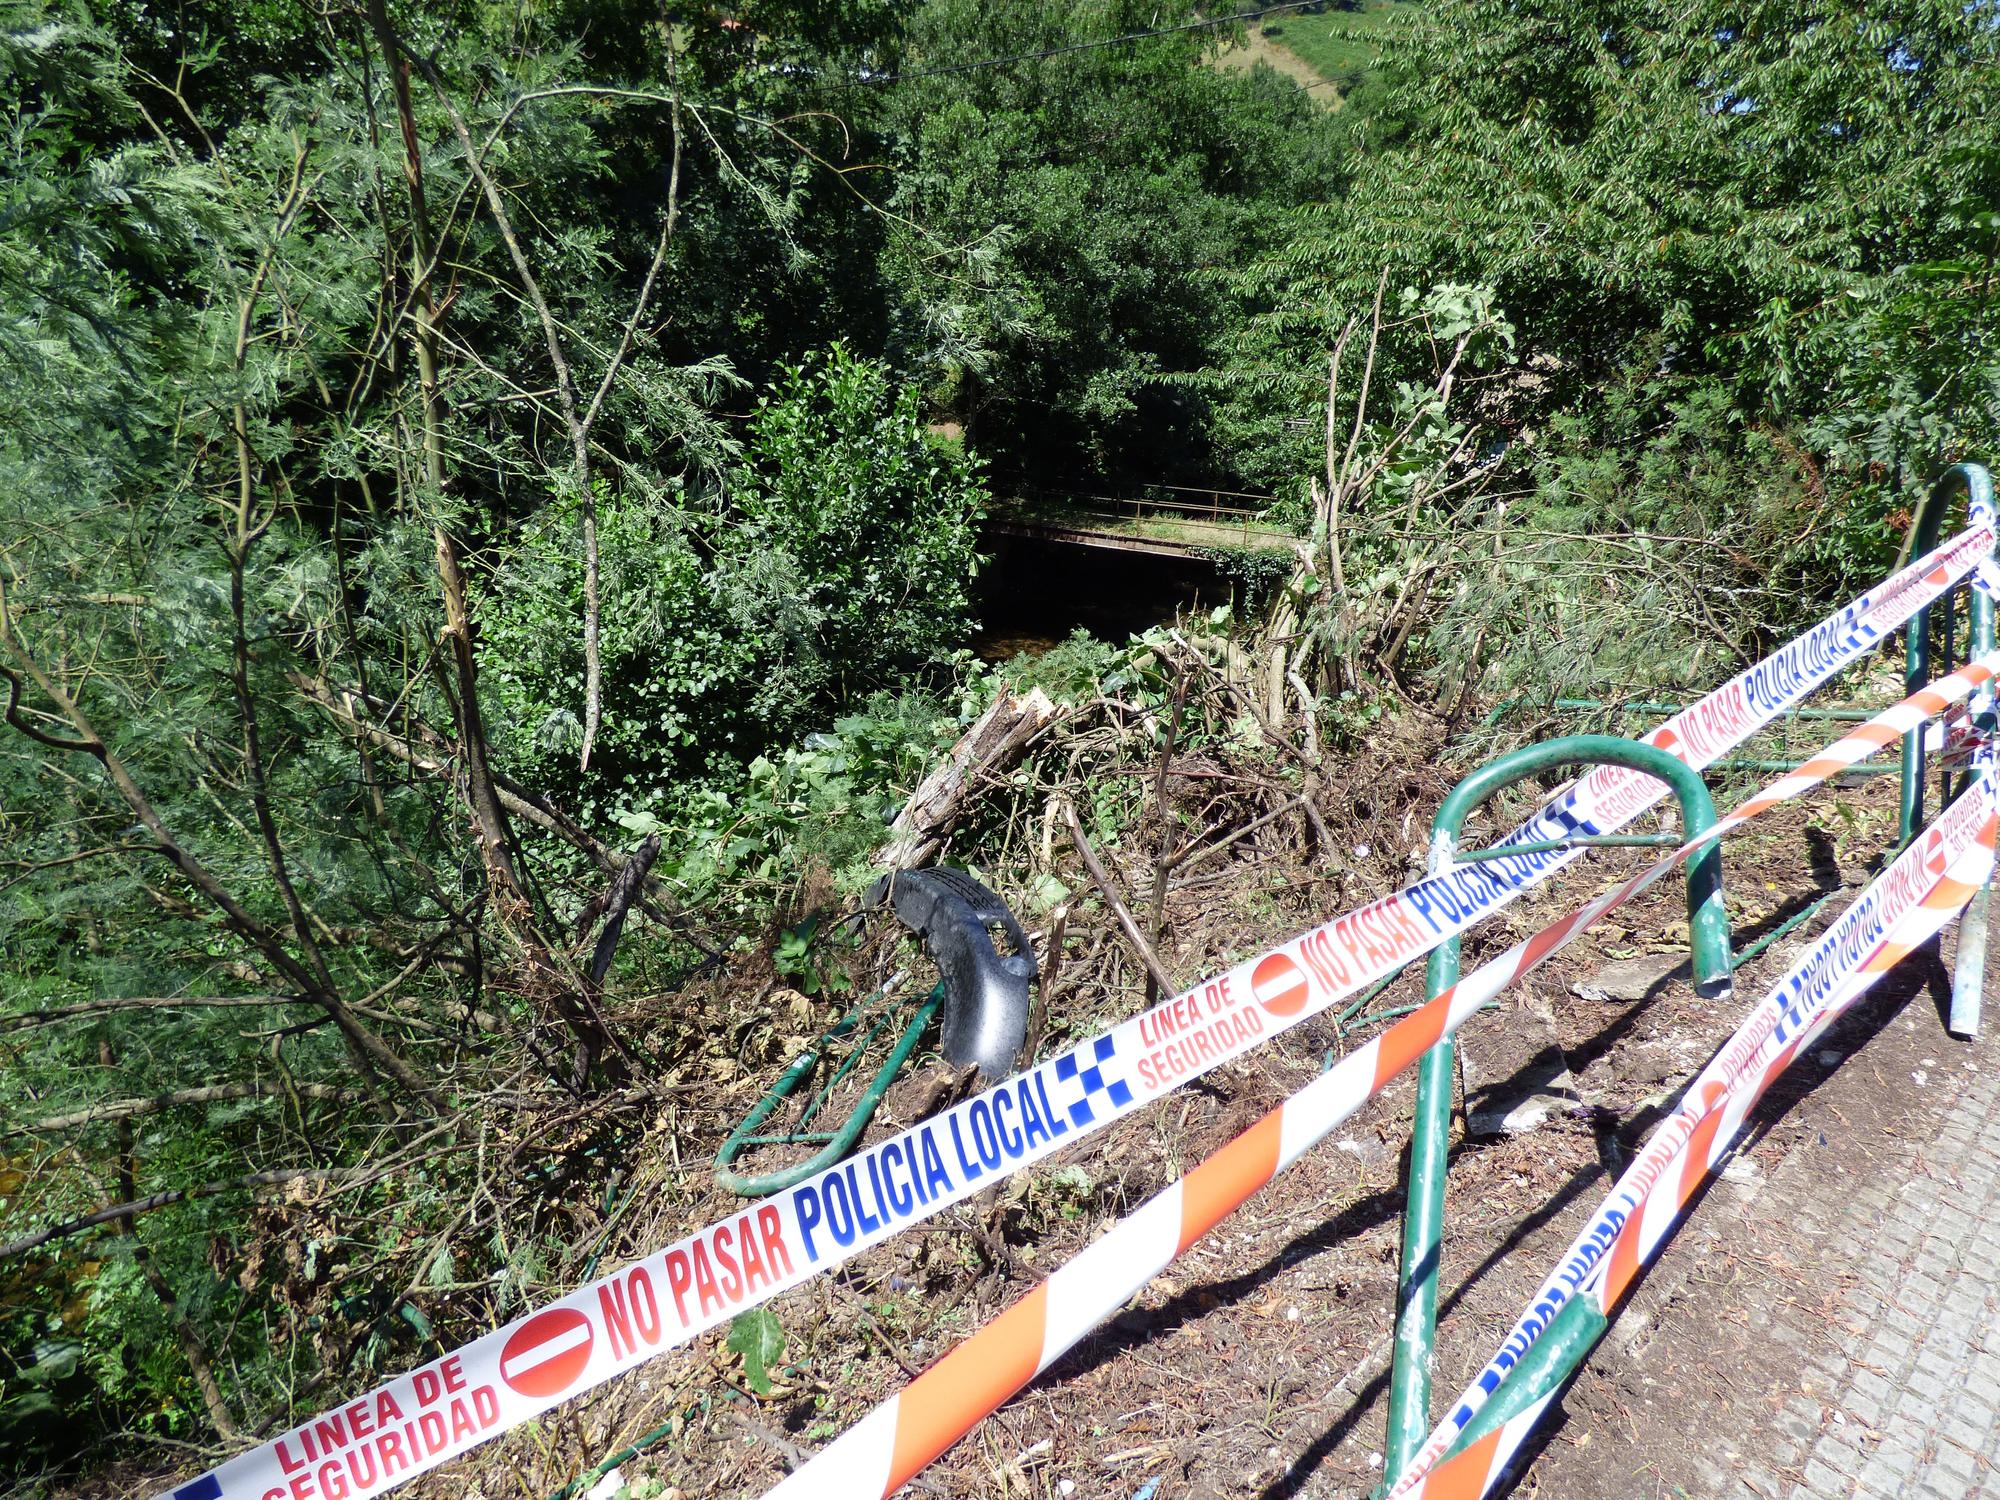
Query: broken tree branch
1120 912
25 1018
1163 864
991 744
624 891
126 1109
172 1196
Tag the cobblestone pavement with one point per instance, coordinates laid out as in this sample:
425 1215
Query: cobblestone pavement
1914 1374
1827 1323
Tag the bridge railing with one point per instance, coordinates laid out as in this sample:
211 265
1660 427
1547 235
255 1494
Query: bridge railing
1194 517
1197 502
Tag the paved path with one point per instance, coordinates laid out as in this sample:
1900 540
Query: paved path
1826 1325
1915 1369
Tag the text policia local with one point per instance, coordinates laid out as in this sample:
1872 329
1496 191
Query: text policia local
884 1186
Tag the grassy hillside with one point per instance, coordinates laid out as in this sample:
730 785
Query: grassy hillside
1341 41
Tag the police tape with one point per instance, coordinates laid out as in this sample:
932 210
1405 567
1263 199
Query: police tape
1908 904
903 1434
1473 1473
1807 992
450 1404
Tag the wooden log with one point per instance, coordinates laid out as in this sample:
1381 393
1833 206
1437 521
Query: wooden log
996 738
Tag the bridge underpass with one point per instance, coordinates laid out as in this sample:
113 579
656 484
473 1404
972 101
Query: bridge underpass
1110 567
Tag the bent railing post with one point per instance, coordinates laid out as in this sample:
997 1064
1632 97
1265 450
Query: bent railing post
1973 481
1708 938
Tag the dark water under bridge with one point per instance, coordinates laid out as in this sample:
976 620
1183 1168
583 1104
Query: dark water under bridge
1110 566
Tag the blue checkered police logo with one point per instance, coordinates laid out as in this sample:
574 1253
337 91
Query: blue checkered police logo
1117 1090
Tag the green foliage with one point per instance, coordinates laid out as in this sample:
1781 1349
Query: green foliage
1094 193
1710 203
797 957
732 846
853 554
756 1336
1069 671
834 559
678 672
1254 573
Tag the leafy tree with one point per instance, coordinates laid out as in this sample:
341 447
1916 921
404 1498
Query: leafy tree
1717 231
275 398
833 560
1675 197
854 556
1097 193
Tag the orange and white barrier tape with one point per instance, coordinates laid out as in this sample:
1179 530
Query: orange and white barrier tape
1909 903
906 1432
452 1403
1473 1473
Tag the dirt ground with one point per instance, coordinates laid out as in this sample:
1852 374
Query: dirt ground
1257 1364
1257 48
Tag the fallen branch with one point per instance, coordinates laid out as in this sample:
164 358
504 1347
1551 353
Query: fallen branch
125 1109
177 1195
989 746
1119 911
25 1018
1196 856
1163 866
624 891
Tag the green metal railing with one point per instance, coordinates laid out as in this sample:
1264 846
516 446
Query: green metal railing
835 1143
1755 765
1423 1217
1577 1326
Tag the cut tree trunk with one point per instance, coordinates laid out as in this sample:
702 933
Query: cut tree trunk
995 740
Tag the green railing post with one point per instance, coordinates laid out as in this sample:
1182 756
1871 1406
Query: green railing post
1423 1220
1924 528
1969 975
1571 1334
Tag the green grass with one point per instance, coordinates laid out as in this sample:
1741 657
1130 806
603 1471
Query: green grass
1337 42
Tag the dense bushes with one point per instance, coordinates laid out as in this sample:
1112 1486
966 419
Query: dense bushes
833 559
328 353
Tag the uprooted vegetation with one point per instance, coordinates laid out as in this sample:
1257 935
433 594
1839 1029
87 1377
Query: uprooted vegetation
489 534
1154 818
1290 1300
488 1154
